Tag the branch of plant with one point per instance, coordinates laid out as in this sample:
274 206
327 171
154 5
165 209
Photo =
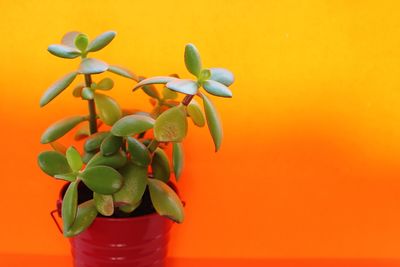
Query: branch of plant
91 107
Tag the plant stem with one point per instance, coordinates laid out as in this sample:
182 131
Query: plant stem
153 146
187 99
92 108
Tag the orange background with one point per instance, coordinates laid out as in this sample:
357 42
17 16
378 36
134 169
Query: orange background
309 166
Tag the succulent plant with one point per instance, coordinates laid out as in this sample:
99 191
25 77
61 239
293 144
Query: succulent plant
123 152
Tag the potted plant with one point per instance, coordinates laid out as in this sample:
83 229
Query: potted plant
120 182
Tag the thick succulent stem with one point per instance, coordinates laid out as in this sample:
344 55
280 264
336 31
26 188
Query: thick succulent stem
186 100
92 108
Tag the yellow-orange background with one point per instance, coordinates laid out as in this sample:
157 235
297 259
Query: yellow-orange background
309 166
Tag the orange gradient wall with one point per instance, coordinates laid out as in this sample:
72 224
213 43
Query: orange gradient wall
310 163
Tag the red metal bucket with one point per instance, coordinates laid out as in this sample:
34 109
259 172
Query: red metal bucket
121 242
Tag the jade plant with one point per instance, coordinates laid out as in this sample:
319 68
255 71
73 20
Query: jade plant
123 155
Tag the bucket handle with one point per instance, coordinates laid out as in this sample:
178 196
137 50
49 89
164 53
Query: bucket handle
58 211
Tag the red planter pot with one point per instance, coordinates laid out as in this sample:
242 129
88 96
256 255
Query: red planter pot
122 242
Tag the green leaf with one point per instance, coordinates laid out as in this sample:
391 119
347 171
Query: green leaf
131 125
171 125
101 41
204 75
85 216
57 88
87 93
60 128
93 143
53 162
151 91
192 60
169 94
77 91
105 84
70 177
140 155
123 72
135 182
69 38
111 144
129 208
81 42
108 109
177 159
160 165
102 179
63 51
74 159
69 205
188 87
216 88
165 201
213 122
154 80
92 66
58 147
195 113
104 204
221 75
82 132
115 161
87 156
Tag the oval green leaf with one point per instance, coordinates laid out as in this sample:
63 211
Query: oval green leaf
221 75
132 124
129 208
213 122
135 182
69 38
169 94
53 162
108 109
60 128
165 201
87 93
192 59
92 66
74 159
102 179
217 89
87 156
115 161
63 51
140 155
57 88
104 204
195 113
77 91
70 177
177 159
188 87
105 84
69 205
82 132
101 41
93 143
123 72
151 91
154 80
171 125
111 145
160 165
81 42
85 216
